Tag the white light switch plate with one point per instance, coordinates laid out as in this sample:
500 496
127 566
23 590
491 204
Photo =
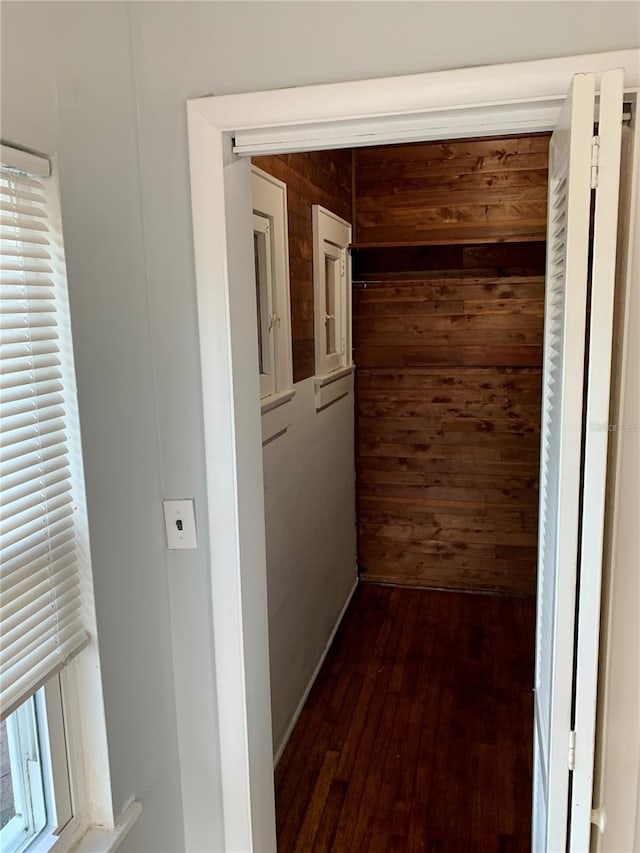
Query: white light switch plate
180 523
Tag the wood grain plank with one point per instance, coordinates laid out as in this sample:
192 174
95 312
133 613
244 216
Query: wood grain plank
448 422
318 801
369 356
459 288
437 234
493 189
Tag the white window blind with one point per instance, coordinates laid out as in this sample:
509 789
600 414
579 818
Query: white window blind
41 623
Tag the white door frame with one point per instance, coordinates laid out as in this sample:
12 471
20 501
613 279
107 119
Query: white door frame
522 96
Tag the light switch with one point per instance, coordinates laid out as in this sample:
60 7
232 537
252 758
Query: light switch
180 522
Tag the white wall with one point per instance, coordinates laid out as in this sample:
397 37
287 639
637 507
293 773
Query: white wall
309 482
104 84
68 87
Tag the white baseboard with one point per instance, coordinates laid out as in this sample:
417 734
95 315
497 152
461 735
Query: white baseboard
285 738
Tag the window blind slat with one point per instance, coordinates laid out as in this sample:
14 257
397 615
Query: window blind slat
24 496
55 415
11 373
40 611
16 616
39 388
13 323
25 294
53 654
22 193
34 510
35 402
9 456
21 211
21 305
44 602
19 562
7 250
33 283
9 236
17 178
38 464
9 221
27 349
12 459
36 414
17 266
47 564
50 623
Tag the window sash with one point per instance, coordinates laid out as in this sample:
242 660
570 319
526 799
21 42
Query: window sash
332 306
41 595
270 224
265 303
332 297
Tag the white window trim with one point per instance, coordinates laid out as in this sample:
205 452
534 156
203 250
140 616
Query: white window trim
270 203
219 198
331 237
93 822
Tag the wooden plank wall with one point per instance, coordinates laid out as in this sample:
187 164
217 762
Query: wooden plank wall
484 190
317 177
449 365
448 412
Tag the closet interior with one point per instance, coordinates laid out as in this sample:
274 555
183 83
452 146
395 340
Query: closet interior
440 434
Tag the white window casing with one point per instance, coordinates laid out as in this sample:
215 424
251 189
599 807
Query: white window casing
273 312
331 305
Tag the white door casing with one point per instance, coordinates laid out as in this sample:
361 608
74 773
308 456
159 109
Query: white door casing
231 417
560 458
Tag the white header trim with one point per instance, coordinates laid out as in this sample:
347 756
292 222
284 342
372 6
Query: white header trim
463 88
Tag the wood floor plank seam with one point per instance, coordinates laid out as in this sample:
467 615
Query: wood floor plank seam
416 735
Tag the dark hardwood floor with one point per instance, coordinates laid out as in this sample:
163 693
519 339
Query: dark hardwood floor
417 733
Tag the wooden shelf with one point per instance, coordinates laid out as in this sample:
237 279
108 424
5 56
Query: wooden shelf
453 241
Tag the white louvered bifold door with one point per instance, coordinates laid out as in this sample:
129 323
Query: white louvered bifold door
41 622
595 451
560 459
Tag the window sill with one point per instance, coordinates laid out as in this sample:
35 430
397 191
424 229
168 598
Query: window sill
277 414
105 841
332 386
80 838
